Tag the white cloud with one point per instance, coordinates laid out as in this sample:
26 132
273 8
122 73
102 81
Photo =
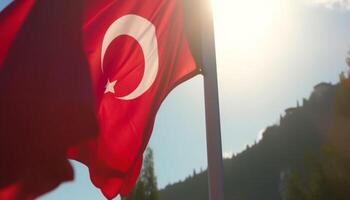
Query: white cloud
333 4
227 155
260 135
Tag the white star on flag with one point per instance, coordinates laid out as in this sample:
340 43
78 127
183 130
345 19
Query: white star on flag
110 87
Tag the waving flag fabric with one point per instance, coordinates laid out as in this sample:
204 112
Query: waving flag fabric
138 52
46 99
11 21
132 53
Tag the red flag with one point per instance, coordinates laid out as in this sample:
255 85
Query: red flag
46 99
138 53
11 20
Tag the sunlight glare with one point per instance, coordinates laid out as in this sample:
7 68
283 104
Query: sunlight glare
250 20
250 32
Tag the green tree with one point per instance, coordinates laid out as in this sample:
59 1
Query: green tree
324 177
295 189
140 191
148 177
146 186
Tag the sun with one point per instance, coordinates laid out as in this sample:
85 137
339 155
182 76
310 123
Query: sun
247 33
247 23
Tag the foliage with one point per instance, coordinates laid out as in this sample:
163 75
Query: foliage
280 166
324 177
146 187
148 177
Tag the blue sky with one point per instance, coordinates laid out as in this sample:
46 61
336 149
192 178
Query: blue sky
266 63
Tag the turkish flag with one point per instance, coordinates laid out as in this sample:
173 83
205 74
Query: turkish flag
133 52
138 52
46 98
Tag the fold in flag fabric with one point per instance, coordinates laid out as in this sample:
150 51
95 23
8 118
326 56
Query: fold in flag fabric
46 96
135 53
132 53
138 52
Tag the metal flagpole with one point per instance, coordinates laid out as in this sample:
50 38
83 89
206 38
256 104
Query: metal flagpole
212 112
200 31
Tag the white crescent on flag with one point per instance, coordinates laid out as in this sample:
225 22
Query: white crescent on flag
144 32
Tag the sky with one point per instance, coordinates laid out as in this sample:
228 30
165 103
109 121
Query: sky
270 54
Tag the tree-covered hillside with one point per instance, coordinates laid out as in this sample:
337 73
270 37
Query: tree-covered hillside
264 170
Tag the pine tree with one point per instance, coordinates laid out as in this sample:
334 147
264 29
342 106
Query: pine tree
146 187
149 178
140 191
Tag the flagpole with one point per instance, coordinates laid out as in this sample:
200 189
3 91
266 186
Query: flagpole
212 110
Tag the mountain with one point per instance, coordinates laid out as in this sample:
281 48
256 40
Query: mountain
261 171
